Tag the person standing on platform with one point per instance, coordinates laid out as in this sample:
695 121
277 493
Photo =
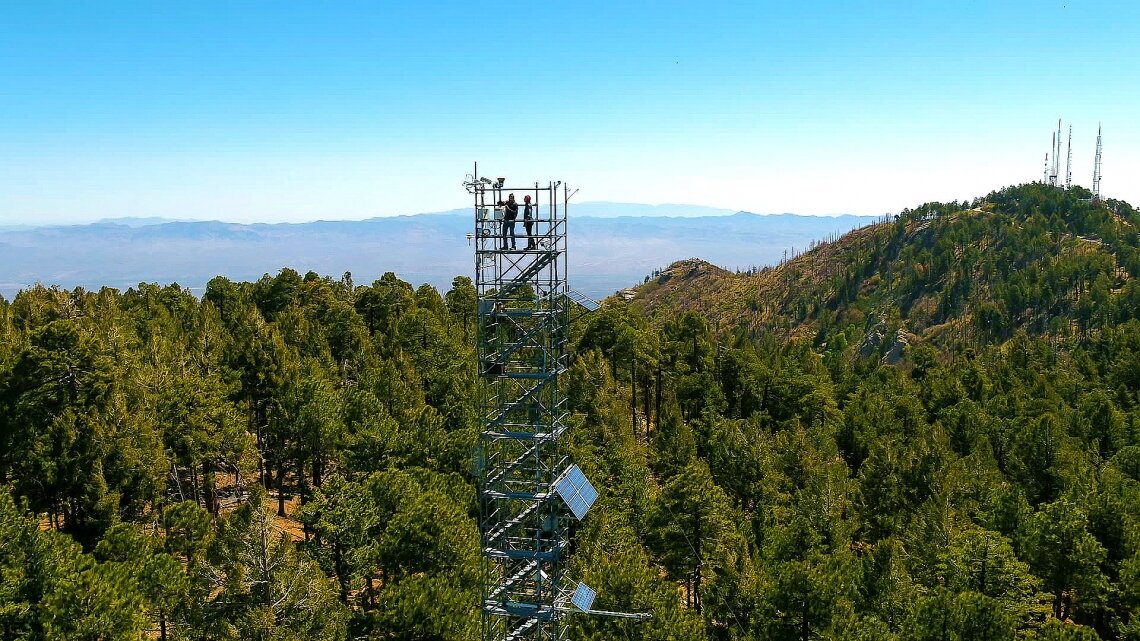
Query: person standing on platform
528 222
510 214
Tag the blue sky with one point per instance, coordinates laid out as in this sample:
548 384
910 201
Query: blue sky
272 111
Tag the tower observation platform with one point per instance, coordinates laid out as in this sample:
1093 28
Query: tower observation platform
529 490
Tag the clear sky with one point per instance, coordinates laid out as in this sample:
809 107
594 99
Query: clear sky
291 111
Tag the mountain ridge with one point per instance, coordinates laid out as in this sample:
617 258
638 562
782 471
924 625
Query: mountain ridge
589 209
937 271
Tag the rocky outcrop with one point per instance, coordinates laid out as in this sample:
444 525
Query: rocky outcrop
873 342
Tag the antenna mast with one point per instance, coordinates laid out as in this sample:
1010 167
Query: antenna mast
1096 167
1069 162
1051 171
1056 149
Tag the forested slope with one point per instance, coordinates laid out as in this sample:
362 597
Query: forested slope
142 430
1032 258
290 458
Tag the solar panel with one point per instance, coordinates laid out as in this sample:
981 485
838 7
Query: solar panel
583 597
576 491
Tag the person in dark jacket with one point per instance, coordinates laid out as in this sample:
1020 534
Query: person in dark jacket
528 222
510 214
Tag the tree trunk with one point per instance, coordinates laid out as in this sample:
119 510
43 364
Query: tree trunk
262 474
982 574
194 484
697 578
281 490
805 629
633 393
645 405
657 409
212 505
697 590
304 491
341 572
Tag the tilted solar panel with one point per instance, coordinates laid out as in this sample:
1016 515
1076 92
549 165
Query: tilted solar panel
583 597
576 491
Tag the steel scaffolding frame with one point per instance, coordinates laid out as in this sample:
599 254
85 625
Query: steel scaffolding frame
523 329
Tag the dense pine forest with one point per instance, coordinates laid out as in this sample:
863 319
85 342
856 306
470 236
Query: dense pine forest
926 430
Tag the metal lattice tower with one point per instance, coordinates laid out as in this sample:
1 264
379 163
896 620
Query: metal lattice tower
1069 162
1052 175
1057 157
1096 167
529 491
523 328
1055 148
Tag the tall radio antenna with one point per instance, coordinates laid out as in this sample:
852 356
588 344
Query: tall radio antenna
1069 162
1056 171
1053 172
1096 167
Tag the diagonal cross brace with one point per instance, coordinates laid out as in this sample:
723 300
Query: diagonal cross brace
514 579
525 275
505 354
519 402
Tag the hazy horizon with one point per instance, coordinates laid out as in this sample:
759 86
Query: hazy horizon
607 253
584 209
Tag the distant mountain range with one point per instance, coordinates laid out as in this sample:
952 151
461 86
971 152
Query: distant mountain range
144 221
612 246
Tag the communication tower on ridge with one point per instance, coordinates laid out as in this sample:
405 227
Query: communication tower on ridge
1069 162
1052 172
529 490
1055 171
1096 167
